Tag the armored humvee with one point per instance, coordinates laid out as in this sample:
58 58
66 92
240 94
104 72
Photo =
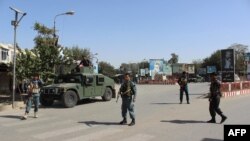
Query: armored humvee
70 88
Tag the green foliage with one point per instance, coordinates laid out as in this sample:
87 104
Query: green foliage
106 69
213 60
174 59
240 51
131 68
48 55
26 62
77 53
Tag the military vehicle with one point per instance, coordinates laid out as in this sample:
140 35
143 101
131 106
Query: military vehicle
73 87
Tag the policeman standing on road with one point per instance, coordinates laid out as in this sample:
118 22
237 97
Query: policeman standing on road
128 94
182 81
214 99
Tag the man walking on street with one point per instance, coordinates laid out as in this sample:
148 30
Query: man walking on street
182 81
128 94
33 96
214 99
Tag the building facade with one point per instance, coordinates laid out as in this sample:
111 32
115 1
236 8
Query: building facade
6 58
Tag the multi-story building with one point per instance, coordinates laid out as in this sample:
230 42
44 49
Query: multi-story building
6 57
6 53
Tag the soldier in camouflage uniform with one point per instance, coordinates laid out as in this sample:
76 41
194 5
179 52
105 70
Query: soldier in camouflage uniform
128 94
182 81
214 99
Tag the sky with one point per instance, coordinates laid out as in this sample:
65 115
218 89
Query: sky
129 31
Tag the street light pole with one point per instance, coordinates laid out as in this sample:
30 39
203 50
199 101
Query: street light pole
54 28
15 24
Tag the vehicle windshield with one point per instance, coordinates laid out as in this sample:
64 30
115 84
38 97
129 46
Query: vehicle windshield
68 79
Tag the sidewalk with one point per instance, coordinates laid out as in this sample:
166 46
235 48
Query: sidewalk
8 106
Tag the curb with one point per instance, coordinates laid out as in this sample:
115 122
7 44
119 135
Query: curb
235 93
7 107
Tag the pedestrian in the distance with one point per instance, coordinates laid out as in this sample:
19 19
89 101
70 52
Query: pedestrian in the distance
182 81
33 96
214 99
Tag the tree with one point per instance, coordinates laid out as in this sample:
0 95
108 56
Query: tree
106 69
77 53
47 52
213 60
197 64
131 68
143 64
174 59
26 64
71 55
240 51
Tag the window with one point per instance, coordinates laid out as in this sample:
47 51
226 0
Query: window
100 80
89 80
4 54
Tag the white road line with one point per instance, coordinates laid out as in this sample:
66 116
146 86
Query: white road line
62 131
27 122
44 126
97 135
139 137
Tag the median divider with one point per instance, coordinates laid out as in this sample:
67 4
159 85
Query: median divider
158 82
230 89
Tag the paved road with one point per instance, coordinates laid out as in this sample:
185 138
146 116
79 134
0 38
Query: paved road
160 117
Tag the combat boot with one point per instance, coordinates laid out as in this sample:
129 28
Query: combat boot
124 121
223 118
132 123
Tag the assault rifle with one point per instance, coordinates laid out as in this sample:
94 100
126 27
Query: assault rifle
122 93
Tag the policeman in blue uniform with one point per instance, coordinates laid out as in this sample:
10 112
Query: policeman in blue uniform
128 94
182 81
214 99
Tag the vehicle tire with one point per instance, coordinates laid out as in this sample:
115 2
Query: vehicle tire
107 95
46 101
69 99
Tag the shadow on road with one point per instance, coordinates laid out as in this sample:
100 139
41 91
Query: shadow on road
208 139
88 101
183 121
10 116
59 105
196 94
89 123
165 103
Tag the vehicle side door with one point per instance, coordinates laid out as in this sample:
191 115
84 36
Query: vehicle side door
88 86
100 87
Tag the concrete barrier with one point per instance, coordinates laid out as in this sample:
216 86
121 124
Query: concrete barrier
235 88
158 82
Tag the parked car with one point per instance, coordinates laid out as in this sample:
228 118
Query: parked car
195 78
236 77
